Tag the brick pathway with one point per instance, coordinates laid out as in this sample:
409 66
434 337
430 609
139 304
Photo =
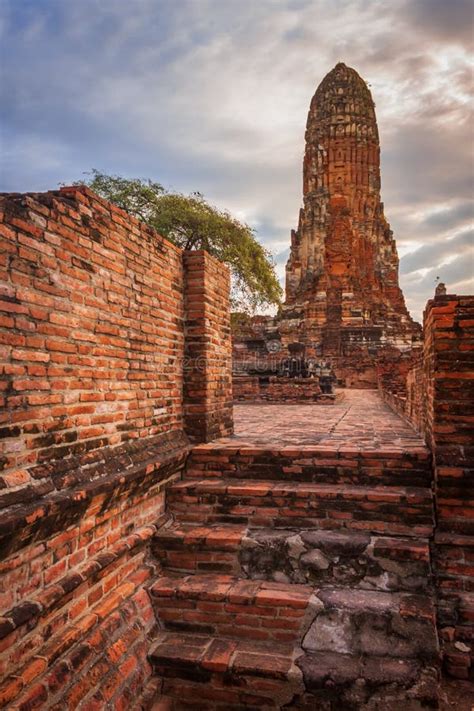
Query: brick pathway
360 421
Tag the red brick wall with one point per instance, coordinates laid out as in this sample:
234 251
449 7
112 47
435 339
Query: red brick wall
94 307
438 399
449 377
400 379
276 389
208 354
415 406
449 374
92 338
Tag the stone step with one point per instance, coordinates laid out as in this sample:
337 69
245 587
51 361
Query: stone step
337 558
406 511
341 682
205 673
383 467
346 621
373 623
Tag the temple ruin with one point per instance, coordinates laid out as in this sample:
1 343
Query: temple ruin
164 550
343 301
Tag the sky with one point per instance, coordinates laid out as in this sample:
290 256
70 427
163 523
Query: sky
213 95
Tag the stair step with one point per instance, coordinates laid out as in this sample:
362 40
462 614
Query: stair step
393 510
337 558
313 464
347 621
194 549
205 672
219 654
373 623
335 681
231 607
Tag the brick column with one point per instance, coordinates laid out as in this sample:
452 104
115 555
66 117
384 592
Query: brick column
207 351
449 414
449 403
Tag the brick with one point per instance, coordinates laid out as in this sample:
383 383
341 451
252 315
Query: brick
10 689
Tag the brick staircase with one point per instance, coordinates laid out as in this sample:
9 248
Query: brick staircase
297 579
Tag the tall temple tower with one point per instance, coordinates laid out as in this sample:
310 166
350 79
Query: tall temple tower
342 291
343 301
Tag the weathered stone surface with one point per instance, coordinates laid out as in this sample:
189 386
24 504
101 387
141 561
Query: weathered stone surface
373 623
336 558
315 560
337 543
338 681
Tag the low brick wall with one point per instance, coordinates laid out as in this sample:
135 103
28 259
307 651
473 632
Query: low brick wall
275 389
396 382
245 387
100 318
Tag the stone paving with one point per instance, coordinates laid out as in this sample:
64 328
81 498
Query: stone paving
359 420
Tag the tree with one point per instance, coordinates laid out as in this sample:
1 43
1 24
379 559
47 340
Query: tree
192 223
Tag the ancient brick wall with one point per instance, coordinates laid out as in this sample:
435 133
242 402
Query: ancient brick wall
208 354
449 377
434 390
400 379
437 396
277 389
415 406
92 341
449 345
245 387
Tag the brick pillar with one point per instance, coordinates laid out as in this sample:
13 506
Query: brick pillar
449 416
207 351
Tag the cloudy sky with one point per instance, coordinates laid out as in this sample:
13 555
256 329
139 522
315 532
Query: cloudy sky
212 95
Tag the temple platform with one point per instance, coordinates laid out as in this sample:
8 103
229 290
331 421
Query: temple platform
359 421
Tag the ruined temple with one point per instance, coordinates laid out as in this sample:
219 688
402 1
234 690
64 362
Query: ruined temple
343 300
164 550
161 550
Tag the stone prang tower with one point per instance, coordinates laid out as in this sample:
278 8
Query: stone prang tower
342 291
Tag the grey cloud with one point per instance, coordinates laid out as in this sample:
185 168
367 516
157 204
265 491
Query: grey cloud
433 164
432 255
449 217
450 274
447 20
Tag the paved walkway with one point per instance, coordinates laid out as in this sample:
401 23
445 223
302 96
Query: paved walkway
359 421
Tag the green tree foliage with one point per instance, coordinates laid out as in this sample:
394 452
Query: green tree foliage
192 223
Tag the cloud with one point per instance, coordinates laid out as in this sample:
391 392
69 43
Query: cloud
214 96
446 21
439 254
